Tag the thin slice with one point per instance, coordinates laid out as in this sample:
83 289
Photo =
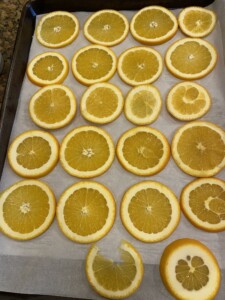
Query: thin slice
33 154
115 280
153 25
27 209
53 106
102 103
86 211
198 148
150 211
143 104
190 271
106 27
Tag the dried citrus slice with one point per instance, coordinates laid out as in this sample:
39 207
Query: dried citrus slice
191 58
33 153
153 25
198 148
143 104
143 151
93 64
102 103
139 65
86 211
57 29
106 27
197 21
190 271
150 211
188 101
115 280
53 106
87 151
27 209
203 203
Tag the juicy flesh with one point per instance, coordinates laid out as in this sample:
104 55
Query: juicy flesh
142 104
197 21
48 67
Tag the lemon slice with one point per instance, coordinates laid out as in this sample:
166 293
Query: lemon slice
87 151
198 148
106 27
191 58
93 64
53 106
203 203
196 21
190 271
143 104
115 280
33 153
188 101
86 211
150 211
102 103
139 65
143 151
27 209
153 25
57 29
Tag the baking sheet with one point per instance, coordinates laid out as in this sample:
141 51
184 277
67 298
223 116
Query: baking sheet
52 264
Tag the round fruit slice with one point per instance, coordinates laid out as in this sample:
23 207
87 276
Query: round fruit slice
53 106
27 209
57 29
150 211
196 21
106 27
143 104
198 148
139 65
188 101
102 103
115 280
48 68
190 271
153 25
143 151
87 151
33 153
203 203
93 64
191 58
86 211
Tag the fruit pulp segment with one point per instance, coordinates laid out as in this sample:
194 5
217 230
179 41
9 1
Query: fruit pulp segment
142 104
48 67
197 21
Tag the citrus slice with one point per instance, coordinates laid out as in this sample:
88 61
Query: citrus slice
27 209
106 27
190 271
139 65
102 103
33 153
150 211
48 68
115 280
53 106
196 21
86 152
57 29
191 58
198 148
143 104
203 203
188 101
143 151
153 25
93 64
86 211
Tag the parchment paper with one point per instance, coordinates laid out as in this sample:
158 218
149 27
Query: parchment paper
52 264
